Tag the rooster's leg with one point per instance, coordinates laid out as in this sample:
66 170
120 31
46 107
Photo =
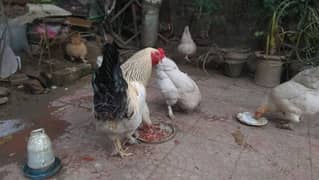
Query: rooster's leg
146 116
170 113
122 152
114 151
131 139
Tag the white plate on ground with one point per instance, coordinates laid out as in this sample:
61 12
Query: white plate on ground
248 118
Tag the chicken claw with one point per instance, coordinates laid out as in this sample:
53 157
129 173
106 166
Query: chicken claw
123 153
119 149
170 113
286 126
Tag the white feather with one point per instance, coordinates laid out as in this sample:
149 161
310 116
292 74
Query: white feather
99 61
296 97
126 127
176 86
187 46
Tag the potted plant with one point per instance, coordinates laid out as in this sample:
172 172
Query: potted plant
294 40
234 61
270 61
302 36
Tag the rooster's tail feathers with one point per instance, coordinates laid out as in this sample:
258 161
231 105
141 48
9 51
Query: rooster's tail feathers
109 86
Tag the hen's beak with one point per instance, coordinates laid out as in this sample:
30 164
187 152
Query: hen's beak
261 111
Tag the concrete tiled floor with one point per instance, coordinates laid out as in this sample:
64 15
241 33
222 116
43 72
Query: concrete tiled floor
204 147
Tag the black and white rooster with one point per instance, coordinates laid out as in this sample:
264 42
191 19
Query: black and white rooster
118 104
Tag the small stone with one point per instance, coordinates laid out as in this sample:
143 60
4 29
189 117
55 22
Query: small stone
20 86
18 79
4 100
12 154
4 91
47 77
70 74
98 167
33 86
54 87
46 91
177 142
66 89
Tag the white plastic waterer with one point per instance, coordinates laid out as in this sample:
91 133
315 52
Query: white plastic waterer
39 149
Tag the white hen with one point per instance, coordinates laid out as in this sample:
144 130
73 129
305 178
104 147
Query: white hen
177 87
294 98
187 46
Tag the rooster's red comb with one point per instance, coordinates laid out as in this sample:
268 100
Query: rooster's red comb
161 52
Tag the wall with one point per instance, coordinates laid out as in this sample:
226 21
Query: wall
234 26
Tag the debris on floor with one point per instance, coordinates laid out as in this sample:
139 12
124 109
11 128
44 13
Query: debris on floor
5 139
70 74
4 92
4 100
8 127
18 79
33 86
87 158
239 138
38 84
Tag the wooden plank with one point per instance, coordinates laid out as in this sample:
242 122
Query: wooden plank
131 38
73 21
127 5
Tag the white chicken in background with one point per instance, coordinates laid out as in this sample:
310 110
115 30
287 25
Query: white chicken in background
187 46
297 97
177 87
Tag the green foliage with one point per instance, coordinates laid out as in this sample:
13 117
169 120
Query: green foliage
270 5
294 30
207 6
259 33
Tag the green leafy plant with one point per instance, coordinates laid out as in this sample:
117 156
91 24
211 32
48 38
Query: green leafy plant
304 39
300 40
206 6
294 31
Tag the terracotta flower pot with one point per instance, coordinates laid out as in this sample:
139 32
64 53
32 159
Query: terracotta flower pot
269 69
